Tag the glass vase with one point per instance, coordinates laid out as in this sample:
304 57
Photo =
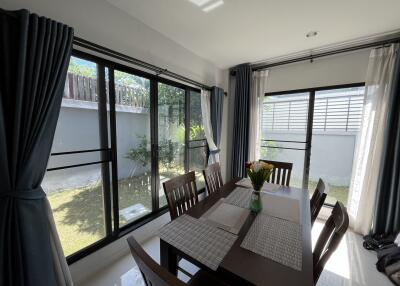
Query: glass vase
255 201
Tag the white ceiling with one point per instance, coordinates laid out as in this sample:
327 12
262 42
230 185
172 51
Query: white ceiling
252 30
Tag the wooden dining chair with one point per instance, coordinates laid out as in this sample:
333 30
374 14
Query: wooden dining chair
155 275
330 237
318 199
213 178
281 172
181 194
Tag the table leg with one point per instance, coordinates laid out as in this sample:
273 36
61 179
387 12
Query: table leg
168 258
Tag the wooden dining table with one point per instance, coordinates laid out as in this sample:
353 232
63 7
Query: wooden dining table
241 266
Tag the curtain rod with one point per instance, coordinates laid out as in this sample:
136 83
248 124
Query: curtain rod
158 70
262 66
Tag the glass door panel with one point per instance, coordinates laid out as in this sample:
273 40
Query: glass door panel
171 135
132 112
284 130
336 123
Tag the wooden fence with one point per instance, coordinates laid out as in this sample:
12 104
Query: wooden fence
83 88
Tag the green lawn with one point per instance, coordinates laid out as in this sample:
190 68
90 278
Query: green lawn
79 214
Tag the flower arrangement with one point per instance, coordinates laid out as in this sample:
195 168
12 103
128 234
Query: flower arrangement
258 172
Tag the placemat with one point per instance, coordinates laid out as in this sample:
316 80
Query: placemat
226 216
203 242
239 197
276 239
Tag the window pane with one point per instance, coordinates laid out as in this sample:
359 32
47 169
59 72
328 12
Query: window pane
133 146
197 155
76 198
337 120
171 134
79 109
284 128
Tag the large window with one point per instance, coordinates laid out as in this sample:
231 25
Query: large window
315 129
120 134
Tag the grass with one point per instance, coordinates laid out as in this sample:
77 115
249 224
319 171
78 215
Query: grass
79 212
336 193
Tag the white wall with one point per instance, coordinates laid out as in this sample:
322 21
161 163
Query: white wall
104 24
333 70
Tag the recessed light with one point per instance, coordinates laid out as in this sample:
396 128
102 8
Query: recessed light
199 2
213 5
312 34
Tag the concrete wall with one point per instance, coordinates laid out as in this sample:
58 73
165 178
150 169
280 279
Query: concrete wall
331 155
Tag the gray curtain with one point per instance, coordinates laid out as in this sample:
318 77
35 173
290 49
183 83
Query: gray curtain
387 207
216 106
240 143
34 57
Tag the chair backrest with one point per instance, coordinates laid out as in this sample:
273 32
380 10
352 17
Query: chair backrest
281 172
213 178
330 237
318 199
153 273
181 194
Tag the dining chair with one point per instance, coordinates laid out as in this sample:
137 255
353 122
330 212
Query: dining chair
155 274
213 178
181 194
332 233
280 173
318 199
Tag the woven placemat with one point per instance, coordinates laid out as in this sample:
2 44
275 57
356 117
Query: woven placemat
276 239
205 243
239 197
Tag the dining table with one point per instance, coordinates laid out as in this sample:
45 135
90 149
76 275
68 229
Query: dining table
243 267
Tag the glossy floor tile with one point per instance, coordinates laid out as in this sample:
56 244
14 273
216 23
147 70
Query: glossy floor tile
351 265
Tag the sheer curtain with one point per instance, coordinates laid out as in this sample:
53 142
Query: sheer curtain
256 100
206 115
367 159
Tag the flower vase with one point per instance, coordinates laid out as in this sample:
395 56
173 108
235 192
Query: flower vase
256 202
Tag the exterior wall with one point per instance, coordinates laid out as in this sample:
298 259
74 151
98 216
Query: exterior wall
331 155
77 129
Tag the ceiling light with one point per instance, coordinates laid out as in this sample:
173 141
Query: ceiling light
199 2
311 34
213 5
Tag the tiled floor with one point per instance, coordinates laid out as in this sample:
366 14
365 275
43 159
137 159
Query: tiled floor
351 265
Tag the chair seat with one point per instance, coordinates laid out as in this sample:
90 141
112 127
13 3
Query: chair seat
202 278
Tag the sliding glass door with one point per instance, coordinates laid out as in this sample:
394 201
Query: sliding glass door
121 133
316 129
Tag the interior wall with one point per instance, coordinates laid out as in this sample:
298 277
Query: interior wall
102 23
333 70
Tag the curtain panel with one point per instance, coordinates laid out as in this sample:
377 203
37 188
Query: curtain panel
256 107
217 108
387 207
34 57
241 122
370 141
208 129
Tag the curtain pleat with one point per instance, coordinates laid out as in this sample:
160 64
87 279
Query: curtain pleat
387 208
240 145
34 57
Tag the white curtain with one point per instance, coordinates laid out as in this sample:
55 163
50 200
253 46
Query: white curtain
206 115
367 159
256 104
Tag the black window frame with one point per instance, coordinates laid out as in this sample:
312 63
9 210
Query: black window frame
310 119
108 148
